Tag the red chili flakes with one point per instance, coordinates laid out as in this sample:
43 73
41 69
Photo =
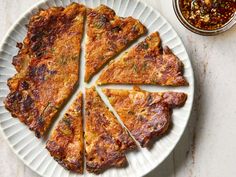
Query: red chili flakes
208 14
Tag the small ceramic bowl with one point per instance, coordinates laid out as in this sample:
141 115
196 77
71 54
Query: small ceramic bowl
192 28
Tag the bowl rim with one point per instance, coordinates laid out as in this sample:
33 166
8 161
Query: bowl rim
199 31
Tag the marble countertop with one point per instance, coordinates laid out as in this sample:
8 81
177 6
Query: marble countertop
208 146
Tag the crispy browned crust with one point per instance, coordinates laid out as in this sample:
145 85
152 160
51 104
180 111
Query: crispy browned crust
66 142
47 65
146 63
107 35
145 114
106 140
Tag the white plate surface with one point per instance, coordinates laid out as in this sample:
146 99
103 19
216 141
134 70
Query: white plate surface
32 150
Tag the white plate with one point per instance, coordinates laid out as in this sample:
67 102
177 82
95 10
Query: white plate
32 150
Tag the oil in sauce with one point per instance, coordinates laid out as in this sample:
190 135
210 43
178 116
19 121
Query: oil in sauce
208 14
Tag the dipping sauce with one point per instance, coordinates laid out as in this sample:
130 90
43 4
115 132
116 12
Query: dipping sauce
208 14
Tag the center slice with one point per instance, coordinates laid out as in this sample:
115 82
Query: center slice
107 36
106 140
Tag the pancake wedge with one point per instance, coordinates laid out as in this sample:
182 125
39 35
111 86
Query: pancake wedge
106 140
47 65
66 142
146 115
107 36
146 63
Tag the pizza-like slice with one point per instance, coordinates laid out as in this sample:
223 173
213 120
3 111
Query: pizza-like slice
47 65
107 36
145 114
106 140
146 63
66 142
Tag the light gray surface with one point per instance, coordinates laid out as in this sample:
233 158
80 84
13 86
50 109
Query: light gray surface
208 146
